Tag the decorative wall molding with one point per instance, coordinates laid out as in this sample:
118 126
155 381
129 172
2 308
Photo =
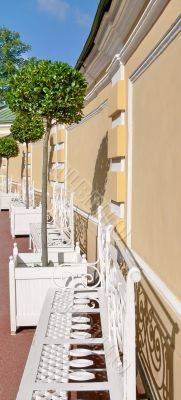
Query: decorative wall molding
90 115
123 52
158 49
162 288
5 126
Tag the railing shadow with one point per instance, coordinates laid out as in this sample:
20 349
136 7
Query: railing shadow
156 332
155 337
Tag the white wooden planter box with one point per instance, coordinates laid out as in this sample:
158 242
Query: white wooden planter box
5 200
22 217
28 284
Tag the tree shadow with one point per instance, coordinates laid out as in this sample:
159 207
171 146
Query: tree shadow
50 160
23 161
100 175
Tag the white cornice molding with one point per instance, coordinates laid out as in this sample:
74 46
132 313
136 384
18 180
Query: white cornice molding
2 126
158 49
94 112
121 56
148 18
161 287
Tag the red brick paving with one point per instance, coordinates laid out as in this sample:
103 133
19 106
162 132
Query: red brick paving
13 349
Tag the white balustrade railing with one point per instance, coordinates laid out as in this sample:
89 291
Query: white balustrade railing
109 299
3 183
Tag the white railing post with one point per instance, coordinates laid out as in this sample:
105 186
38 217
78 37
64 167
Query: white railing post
15 250
72 216
33 195
129 340
13 221
12 293
77 248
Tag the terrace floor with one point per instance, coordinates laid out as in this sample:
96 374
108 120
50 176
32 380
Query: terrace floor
13 349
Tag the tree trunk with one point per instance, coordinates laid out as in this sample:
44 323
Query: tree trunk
7 171
27 183
44 196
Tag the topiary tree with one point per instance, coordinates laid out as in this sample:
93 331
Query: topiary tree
27 128
8 148
11 49
55 91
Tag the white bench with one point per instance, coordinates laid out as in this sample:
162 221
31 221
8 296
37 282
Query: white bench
60 228
57 239
78 325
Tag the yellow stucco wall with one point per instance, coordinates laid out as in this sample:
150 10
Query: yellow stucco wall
156 194
37 154
156 217
156 158
88 163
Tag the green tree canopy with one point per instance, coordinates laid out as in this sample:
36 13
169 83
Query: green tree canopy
8 147
27 128
53 90
11 49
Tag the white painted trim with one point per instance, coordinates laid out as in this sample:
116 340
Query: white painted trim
164 291
162 288
94 112
66 160
150 15
4 126
117 209
158 49
129 161
118 120
119 75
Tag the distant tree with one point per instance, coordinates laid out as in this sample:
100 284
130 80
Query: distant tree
55 91
8 148
27 128
11 49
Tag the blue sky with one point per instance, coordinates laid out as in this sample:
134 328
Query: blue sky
56 29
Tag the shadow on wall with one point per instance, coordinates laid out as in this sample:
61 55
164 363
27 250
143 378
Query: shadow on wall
100 176
23 161
155 343
50 163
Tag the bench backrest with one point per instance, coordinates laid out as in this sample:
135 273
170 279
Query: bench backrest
62 212
119 292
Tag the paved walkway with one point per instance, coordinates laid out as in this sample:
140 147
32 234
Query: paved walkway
13 349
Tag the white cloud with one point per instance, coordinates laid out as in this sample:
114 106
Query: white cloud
82 19
61 8
57 8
